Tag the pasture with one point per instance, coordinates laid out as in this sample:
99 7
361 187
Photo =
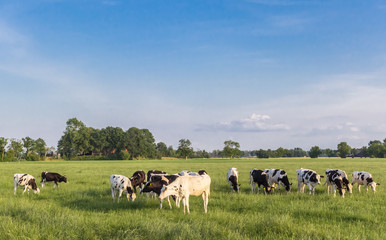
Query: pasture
83 208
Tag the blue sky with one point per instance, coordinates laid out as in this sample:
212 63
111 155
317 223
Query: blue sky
267 74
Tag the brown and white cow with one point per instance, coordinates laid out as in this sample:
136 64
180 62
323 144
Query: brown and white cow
185 186
138 180
233 179
120 184
25 180
307 177
279 177
364 178
259 177
52 177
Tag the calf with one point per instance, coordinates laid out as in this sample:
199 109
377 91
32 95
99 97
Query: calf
52 177
233 177
260 178
279 177
25 180
184 186
119 183
307 177
335 179
346 184
364 178
156 183
138 180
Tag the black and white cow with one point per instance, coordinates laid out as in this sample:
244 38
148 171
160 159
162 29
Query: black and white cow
52 177
151 172
120 184
307 177
186 173
279 177
233 178
364 178
138 180
156 183
259 177
335 180
25 180
346 184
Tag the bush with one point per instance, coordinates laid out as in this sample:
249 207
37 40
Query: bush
9 156
124 155
32 157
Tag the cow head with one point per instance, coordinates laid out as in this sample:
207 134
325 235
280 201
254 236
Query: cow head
32 185
233 180
131 194
166 191
63 179
284 181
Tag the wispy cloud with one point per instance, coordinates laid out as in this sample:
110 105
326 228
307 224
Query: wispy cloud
254 123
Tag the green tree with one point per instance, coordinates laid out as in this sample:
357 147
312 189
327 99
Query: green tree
68 143
315 152
29 145
140 143
262 153
162 149
343 149
3 144
329 152
376 149
17 147
40 147
231 149
184 149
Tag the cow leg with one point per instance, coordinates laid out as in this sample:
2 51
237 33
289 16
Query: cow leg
328 189
113 194
359 187
334 190
160 204
367 188
120 194
310 187
43 183
187 203
170 205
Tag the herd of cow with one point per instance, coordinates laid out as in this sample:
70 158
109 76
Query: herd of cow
184 184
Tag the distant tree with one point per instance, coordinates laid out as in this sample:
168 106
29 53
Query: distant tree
262 153
329 152
40 147
171 152
184 149
315 152
202 154
343 149
140 143
298 152
376 149
162 149
17 147
3 144
68 143
231 149
29 145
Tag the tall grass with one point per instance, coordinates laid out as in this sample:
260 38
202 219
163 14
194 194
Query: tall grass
83 208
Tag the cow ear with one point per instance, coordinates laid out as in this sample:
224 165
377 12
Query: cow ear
321 176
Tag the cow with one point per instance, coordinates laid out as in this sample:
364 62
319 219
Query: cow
138 180
279 177
364 178
336 180
25 180
151 172
52 177
307 177
200 172
184 186
119 183
346 184
156 183
233 177
259 177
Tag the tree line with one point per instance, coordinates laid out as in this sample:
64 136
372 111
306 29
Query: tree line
80 142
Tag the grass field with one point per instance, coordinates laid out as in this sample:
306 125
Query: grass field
83 208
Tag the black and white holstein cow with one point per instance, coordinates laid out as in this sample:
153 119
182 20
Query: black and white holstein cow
364 178
52 177
185 186
25 180
233 178
279 177
307 177
152 172
346 184
335 180
156 183
138 180
119 183
259 177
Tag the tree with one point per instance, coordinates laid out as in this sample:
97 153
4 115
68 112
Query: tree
329 152
231 149
70 144
40 147
184 149
29 145
377 149
17 147
162 149
139 143
3 144
262 153
343 149
315 152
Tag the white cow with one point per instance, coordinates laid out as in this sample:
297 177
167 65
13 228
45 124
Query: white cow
120 184
346 184
364 178
279 177
233 178
184 186
25 180
307 177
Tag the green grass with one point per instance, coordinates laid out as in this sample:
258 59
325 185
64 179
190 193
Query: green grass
83 208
